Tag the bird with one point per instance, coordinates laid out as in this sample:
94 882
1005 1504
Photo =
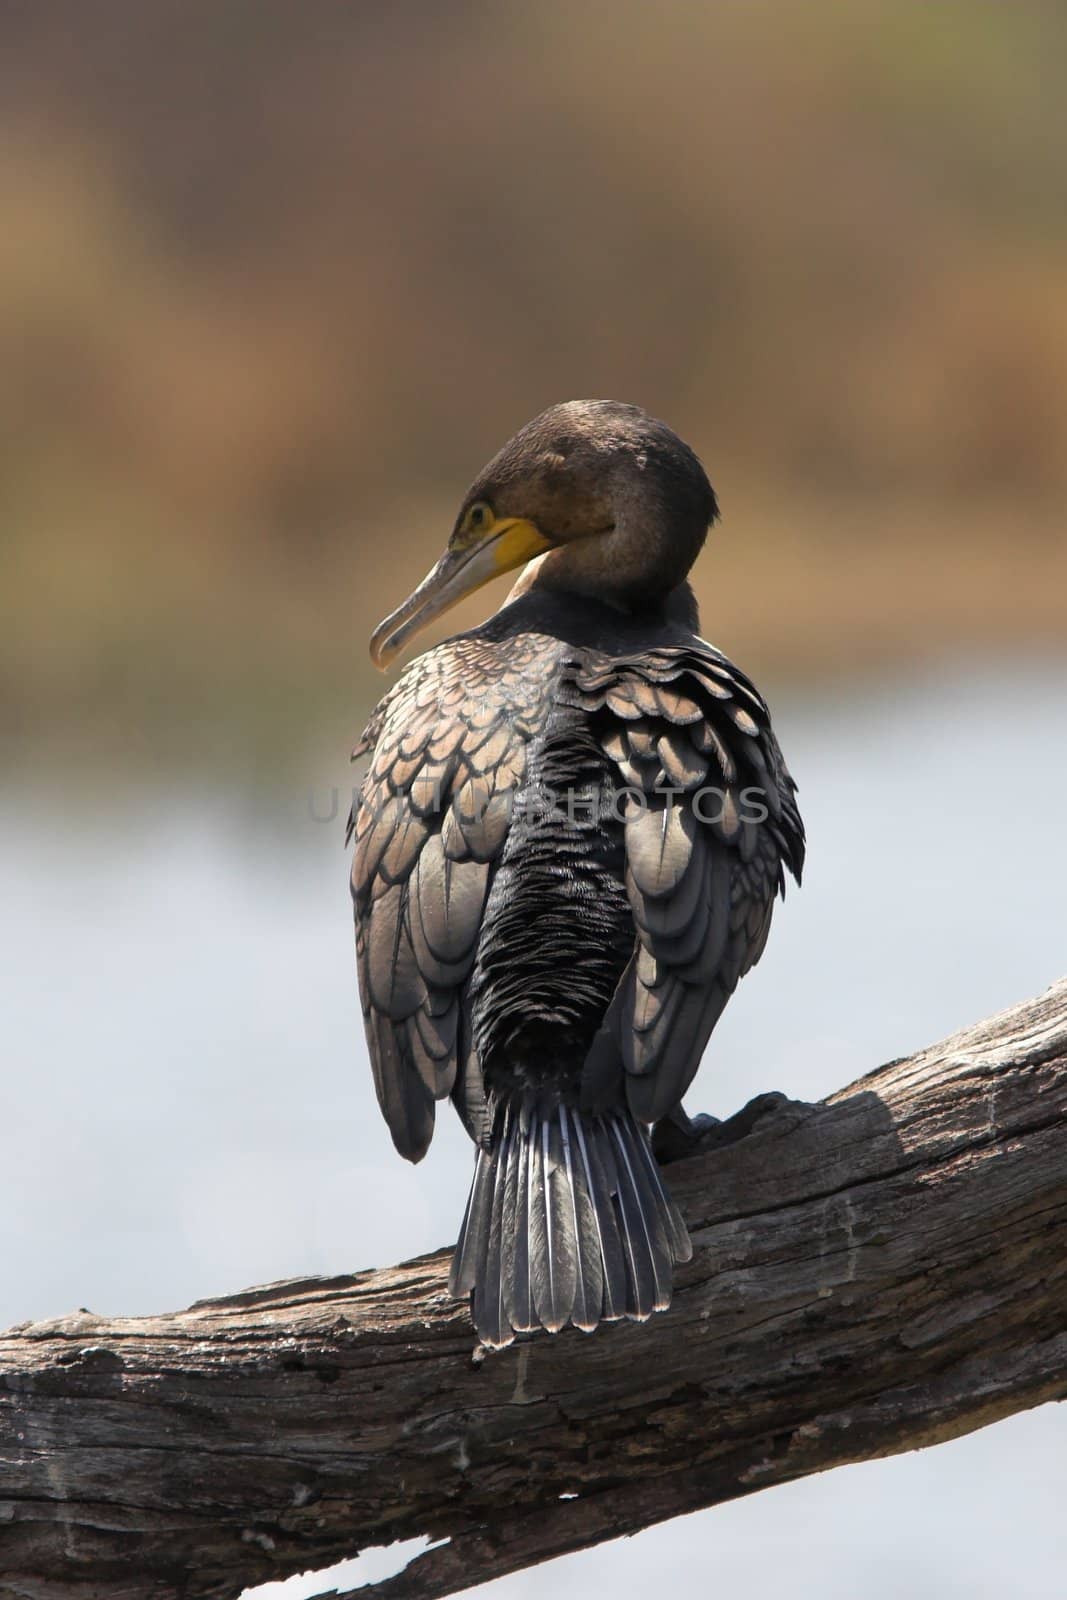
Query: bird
570 836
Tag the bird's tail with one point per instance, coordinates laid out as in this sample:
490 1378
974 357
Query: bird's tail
568 1220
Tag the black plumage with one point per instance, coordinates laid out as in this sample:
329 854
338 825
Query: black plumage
567 847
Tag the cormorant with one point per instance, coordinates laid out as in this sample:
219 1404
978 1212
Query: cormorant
568 845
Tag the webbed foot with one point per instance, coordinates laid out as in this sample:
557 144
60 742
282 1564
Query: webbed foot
679 1135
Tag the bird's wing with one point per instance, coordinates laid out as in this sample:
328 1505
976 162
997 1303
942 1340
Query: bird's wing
710 821
448 753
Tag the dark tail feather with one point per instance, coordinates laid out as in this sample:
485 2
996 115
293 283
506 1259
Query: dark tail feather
488 1299
609 1244
518 1291
568 1220
553 1244
681 1245
470 1250
589 1263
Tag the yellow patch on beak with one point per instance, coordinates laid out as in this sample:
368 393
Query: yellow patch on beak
467 564
514 543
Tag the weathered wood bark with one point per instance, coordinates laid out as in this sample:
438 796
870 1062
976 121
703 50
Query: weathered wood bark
884 1270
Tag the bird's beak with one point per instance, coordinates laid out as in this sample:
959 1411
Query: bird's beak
508 543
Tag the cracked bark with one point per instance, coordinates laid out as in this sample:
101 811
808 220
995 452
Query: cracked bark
884 1270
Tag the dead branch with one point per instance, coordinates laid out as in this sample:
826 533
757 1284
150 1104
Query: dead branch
881 1271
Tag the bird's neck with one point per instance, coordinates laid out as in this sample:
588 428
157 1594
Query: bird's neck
681 606
548 574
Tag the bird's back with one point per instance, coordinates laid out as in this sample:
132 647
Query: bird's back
549 925
558 929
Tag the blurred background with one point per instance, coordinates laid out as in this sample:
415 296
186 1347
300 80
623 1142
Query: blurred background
275 280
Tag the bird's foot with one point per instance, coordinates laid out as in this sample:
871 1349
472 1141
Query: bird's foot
678 1136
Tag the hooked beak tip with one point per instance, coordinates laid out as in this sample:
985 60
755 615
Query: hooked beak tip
458 574
379 651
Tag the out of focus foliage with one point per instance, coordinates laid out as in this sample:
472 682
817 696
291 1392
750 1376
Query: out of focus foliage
276 278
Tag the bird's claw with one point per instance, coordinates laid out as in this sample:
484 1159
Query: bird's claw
678 1135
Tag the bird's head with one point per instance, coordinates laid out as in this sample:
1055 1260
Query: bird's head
612 503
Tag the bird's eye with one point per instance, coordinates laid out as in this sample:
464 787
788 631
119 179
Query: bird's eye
479 517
